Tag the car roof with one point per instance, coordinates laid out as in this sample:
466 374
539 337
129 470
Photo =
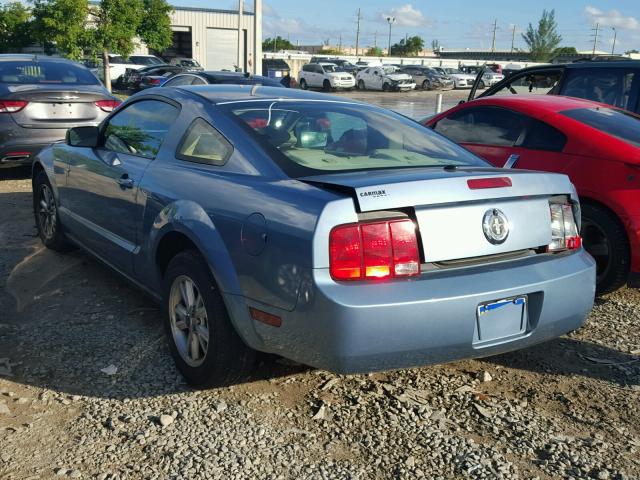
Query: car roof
230 93
32 57
540 104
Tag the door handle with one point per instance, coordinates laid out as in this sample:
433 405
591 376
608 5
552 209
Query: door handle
511 161
125 182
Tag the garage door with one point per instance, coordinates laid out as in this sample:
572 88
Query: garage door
222 49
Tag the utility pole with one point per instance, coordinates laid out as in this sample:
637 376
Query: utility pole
595 37
615 35
340 44
257 37
239 60
391 20
375 40
358 32
493 42
513 37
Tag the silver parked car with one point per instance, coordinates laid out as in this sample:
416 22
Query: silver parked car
40 98
331 232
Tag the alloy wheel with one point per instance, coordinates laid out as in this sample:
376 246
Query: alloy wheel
47 212
189 321
595 241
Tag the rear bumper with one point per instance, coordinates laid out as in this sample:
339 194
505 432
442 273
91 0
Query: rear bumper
351 328
18 145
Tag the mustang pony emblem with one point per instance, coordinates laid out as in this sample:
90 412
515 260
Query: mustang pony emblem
495 226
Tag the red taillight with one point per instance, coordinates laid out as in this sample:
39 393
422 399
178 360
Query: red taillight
374 250
12 106
107 105
154 81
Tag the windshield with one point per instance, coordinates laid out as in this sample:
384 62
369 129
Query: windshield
389 69
43 72
142 60
329 68
617 123
189 63
306 138
118 59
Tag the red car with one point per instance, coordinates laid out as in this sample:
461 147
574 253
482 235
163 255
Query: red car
596 145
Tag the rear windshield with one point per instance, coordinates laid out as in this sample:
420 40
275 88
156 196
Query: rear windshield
617 123
142 60
308 138
43 72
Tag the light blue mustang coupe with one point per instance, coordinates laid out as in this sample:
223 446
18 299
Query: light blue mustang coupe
331 232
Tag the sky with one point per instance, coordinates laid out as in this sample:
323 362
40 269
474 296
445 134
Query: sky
454 24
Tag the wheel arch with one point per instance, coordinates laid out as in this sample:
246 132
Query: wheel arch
184 225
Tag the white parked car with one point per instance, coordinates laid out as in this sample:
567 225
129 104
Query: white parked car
490 78
118 66
326 76
460 79
385 78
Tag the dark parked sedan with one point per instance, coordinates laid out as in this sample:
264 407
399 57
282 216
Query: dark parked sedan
40 98
332 232
217 78
152 76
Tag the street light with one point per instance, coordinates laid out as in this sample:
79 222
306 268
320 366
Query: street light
615 34
391 20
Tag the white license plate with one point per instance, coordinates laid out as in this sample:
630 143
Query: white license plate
501 319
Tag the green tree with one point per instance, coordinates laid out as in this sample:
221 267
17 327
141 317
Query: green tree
629 52
277 43
113 26
565 51
412 46
60 25
155 27
374 52
542 41
15 27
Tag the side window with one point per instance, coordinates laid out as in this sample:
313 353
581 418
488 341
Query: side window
611 85
306 68
540 82
203 144
198 81
181 80
541 136
140 128
484 126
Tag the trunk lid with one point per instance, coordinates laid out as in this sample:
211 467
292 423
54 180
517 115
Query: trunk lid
57 106
450 211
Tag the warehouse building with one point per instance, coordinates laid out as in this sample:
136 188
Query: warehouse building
217 39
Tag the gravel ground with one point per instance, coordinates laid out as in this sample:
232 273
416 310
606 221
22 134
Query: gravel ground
88 390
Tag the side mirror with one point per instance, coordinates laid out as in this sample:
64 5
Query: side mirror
83 137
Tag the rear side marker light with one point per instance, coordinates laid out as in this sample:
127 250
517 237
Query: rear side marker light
374 250
107 105
564 230
264 317
12 106
491 182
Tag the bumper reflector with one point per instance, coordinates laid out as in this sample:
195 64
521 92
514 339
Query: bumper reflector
264 317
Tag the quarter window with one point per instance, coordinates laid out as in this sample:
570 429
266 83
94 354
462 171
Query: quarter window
612 86
203 144
140 128
541 136
484 126
181 80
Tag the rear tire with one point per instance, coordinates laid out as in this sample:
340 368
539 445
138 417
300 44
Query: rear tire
481 85
361 85
303 84
326 86
426 85
606 240
45 210
204 344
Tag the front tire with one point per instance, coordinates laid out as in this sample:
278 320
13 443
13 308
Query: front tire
45 210
205 347
386 87
606 240
426 85
326 86
361 85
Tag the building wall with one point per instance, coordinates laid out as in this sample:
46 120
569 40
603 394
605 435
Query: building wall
199 20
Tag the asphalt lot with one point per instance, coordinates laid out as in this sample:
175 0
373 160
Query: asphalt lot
88 389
